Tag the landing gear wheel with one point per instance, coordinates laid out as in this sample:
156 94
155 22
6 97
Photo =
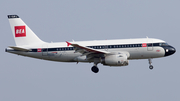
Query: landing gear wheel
95 69
151 67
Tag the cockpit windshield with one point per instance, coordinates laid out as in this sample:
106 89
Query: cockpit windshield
163 44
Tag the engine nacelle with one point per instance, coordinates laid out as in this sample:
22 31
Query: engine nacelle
115 60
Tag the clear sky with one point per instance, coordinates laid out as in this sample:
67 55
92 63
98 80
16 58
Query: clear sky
28 79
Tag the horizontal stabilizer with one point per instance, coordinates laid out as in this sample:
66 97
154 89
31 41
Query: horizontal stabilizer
19 48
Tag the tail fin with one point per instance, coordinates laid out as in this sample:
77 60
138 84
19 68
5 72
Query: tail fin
23 35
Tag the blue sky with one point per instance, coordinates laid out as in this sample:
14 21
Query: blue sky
27 79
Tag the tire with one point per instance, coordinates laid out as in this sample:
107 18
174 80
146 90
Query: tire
95 69
151 67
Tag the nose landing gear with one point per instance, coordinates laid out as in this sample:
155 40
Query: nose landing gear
150 64
151 67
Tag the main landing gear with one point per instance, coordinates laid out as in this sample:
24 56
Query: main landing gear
95 69
150 64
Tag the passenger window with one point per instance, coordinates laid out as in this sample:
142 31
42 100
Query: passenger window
149 44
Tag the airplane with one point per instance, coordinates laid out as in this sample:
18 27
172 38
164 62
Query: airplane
116 52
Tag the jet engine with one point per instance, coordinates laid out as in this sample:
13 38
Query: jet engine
115 60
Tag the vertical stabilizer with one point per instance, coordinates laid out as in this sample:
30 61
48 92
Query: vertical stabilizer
22 34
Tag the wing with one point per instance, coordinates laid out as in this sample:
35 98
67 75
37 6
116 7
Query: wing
91 53
86 50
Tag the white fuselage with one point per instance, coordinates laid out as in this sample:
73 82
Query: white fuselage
63 53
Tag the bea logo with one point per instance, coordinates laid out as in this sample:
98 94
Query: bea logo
144 45
20 31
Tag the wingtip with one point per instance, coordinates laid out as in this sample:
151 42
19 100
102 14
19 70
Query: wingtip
68 43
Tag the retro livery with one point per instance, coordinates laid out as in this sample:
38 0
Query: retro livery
106 52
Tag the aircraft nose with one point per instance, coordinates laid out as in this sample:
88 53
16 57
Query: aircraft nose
169 50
